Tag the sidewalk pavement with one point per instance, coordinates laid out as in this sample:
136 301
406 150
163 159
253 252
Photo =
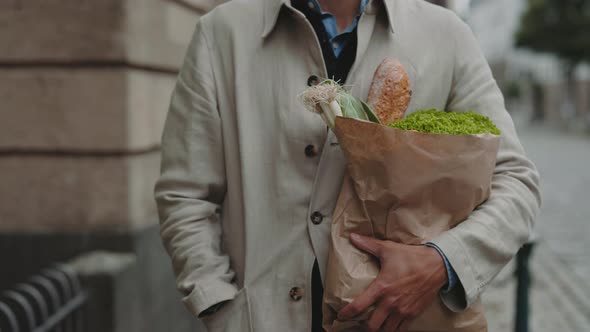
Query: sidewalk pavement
559 298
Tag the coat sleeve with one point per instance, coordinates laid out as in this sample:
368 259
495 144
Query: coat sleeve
192 184
483 244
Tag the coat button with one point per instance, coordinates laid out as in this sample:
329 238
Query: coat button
313 80
296 293
317 218
310 151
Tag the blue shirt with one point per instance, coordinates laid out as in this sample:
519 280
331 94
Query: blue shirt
451 274
338 41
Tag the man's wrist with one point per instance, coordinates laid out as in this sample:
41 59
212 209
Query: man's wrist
212 309
437 267
451 276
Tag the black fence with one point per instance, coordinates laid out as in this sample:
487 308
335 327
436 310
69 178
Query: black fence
52 300
523 283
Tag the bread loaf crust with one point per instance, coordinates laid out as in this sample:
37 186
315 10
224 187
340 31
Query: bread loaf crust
390 92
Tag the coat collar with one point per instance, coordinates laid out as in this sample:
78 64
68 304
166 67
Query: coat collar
272 9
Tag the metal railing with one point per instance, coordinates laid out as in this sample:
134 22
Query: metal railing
52 300
523 283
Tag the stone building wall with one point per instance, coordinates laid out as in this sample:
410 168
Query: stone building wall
84 90
85 87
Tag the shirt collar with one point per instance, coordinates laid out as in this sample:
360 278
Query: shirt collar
316 7
272 9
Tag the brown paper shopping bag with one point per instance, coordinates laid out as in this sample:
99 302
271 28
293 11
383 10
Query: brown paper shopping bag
407 187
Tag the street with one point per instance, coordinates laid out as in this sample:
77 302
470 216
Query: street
563 161
560 291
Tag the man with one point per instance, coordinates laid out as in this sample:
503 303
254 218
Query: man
250 179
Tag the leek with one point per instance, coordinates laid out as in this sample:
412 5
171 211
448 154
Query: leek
330 100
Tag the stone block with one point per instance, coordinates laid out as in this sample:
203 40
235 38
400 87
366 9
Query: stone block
110 280
83 109
62 30
122 297
148 99
157 32
82 193
145 32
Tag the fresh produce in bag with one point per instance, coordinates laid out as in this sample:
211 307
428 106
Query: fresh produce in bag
407 181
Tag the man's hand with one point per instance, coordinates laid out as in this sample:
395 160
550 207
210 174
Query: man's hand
409 280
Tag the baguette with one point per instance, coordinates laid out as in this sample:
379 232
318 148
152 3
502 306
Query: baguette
390 92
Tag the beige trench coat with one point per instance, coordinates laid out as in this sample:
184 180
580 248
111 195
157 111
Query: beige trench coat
237 188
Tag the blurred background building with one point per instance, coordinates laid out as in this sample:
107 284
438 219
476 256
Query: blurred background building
84 90
537 78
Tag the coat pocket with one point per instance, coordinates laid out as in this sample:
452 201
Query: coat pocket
233 316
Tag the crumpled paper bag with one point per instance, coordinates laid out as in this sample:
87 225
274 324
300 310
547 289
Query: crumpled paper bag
407 187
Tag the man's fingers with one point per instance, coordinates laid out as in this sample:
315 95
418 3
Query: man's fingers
378 317
362 302
392 323
367 244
